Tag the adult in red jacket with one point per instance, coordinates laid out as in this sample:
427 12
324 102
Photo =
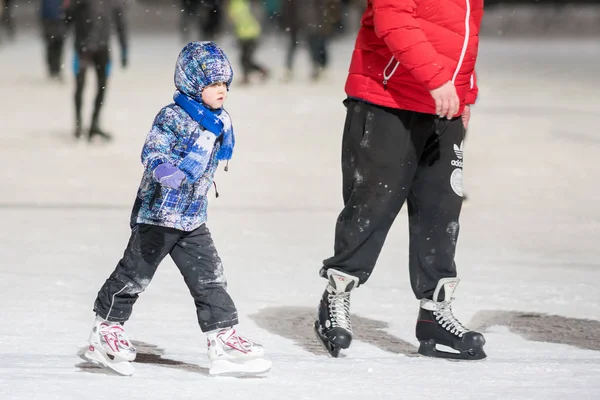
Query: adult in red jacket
410 85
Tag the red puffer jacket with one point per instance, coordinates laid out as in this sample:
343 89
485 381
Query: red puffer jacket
405 48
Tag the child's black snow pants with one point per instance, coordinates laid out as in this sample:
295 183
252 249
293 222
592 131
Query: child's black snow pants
195 255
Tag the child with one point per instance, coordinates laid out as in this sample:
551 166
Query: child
180 157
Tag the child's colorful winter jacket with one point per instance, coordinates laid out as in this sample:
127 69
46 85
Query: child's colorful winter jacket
189 136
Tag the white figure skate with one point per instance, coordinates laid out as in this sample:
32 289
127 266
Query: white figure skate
233 355
109 347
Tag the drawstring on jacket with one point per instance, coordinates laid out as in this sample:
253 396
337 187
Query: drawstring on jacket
387 77
215 182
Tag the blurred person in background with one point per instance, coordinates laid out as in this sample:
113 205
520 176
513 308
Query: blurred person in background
409 89
348 15
54 30
272 14
1 20
206 13
7 21
247 32
94 22
311 20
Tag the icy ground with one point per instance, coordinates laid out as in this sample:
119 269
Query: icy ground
528 251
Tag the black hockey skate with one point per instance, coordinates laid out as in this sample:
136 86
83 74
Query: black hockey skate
333 328
436 325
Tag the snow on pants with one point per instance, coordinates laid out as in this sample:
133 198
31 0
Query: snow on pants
390 156
195 255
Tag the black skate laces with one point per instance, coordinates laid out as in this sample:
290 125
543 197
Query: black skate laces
447 320
339 310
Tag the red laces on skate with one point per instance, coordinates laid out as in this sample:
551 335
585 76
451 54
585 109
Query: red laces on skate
234 341
114 336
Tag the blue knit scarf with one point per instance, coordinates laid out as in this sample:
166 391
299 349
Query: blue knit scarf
210 120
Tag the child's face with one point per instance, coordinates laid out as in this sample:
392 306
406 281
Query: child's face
214 95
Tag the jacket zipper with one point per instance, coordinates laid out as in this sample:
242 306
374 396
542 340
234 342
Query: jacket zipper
466 42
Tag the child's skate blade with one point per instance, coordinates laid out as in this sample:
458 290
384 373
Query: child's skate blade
120 367
428 349
332 349
252 367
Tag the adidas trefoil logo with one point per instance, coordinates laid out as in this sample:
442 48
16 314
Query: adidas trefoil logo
458 150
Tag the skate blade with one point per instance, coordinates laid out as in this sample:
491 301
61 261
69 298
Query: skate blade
332 350
96 357
428 349
252 367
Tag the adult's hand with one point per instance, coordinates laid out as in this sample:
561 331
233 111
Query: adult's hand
446 100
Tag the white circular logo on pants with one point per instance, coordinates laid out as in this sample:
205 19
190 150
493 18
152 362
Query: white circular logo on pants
456 181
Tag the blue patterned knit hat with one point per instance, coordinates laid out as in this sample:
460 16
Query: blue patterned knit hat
201 64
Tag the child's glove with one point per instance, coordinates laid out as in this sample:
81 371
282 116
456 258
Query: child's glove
168 175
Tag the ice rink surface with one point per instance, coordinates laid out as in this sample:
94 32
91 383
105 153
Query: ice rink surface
527 255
